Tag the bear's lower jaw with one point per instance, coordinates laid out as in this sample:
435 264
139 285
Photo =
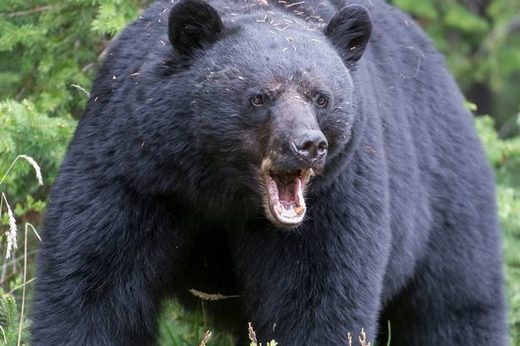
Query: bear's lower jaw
285 197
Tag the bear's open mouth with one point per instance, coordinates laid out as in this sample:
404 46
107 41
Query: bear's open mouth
285 194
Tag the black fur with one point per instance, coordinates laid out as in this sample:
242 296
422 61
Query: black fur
160 192
193 23
350 31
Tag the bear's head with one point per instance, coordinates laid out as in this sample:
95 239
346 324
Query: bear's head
253 106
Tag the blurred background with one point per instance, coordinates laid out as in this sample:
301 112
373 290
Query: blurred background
50 49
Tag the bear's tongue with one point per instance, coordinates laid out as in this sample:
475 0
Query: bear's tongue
286 196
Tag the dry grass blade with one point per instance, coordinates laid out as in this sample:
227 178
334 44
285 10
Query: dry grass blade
34 231
82 89
252 334
22 310
13 231
36 168
32 162
20 286
363 339
210 296
206 338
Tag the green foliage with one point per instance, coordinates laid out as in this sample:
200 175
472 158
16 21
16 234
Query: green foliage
481 40
27 131
10 322
46 46
504 155
182 328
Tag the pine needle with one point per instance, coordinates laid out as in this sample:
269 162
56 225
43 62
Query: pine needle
209 296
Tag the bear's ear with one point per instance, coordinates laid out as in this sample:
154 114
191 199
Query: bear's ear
191 24
349 30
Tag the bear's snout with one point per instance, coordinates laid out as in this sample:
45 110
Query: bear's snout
310 146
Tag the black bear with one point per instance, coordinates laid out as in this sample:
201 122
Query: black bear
312 159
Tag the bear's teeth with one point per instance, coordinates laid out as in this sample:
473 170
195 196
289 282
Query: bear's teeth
285 196
289 212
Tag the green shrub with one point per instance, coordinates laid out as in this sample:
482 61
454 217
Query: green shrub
504 155
24 130
481 41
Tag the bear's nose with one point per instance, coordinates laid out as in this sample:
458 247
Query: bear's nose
310 146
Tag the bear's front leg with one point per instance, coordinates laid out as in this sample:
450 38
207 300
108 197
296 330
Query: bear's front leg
314 285
103 269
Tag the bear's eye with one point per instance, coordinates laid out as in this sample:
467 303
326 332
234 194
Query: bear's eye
257 100
322 101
